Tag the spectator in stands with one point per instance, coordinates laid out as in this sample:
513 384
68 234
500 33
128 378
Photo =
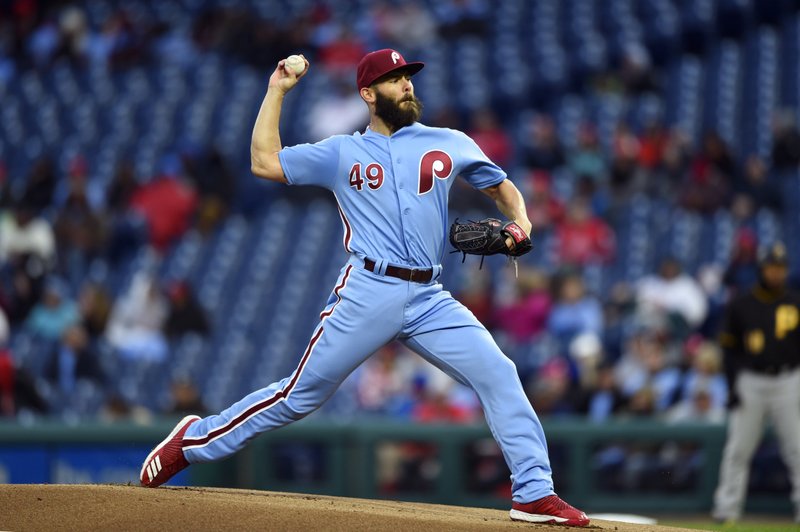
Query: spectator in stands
72 360
541 148
40 185
6 198
705 375
119 44
585 357
619 311
409 26
584 238
27 281
743 211
167 202
667 178
445 116
127 228
709 277
186 399
526 316
458 18
757 185
434 405
636 70
485 129
596 194
185 314
339 111
642 404
672 294
340 56
78 184
544 208
475 294
94 304
574 312
698 407
643 370
122 188
549 389
587 158
625 159
23 233
215 185
137 320
75 33
605 399
18 393
708 184
383 382
786 141
55 314
117 409
80 233
742 271
652 145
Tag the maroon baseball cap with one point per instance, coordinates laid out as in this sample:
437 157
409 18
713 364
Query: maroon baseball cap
381 62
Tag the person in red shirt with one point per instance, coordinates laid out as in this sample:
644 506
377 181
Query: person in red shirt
584 238
343 53
544 207
167 203
490 137
526 316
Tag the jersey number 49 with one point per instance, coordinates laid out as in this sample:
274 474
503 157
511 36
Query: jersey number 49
432 164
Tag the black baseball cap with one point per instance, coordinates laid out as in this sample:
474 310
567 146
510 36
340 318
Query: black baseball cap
774 254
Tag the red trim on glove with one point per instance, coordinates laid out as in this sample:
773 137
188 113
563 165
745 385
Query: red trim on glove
515 232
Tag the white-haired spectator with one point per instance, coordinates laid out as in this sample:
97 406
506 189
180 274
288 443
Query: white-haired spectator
674 293
23 233
135 327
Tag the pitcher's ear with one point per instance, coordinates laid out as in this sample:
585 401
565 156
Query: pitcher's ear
367 94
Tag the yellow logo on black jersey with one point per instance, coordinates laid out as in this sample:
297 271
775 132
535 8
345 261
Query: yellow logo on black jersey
755 341
786 320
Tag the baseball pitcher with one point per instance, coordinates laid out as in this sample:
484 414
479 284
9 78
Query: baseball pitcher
391 184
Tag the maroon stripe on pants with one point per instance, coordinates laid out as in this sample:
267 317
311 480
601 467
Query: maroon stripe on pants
336 291
262 405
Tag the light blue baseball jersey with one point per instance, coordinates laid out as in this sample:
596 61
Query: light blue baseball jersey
392 191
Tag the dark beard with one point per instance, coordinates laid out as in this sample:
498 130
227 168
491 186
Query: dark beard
393 114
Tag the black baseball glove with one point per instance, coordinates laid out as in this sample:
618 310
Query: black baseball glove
488 237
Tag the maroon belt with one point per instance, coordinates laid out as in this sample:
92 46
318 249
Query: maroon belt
406 274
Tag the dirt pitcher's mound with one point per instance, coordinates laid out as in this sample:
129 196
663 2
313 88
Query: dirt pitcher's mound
82 507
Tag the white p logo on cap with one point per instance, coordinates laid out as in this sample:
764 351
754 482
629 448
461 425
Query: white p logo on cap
395 57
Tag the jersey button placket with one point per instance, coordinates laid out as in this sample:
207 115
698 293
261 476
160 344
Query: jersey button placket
397 161
398 180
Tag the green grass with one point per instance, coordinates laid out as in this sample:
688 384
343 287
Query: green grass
738 527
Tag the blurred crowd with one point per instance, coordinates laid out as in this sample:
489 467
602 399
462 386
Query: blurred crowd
646 348
37 33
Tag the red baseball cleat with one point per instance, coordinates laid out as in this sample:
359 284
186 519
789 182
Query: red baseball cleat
166 460
549 509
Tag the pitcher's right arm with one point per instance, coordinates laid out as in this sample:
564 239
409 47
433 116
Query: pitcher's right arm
266 141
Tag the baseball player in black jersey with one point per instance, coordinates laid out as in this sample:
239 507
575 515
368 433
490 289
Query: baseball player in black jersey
761 340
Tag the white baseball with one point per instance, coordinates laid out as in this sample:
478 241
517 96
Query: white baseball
295 64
